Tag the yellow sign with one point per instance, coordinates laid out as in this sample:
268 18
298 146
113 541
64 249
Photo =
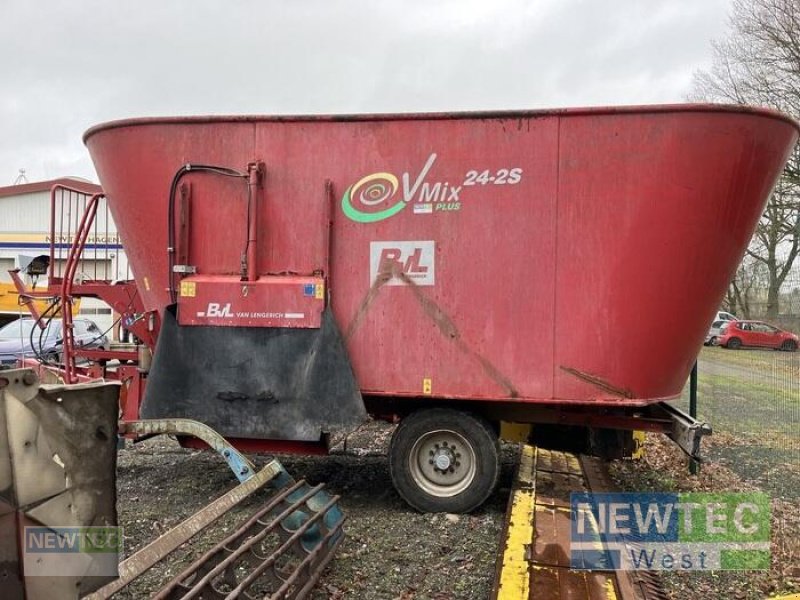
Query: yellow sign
188 289
11 304
319 291
426 385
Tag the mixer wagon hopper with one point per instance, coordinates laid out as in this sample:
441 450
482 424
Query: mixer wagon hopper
294 275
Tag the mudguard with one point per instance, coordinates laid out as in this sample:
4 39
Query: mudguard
247 382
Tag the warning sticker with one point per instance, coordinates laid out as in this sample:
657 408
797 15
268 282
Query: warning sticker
188 289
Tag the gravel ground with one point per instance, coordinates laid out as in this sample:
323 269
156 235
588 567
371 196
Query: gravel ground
390 550
393 552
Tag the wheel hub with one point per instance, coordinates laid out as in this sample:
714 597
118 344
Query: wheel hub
443 463
445 458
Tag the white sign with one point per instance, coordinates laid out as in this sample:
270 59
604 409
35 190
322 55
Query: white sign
402 263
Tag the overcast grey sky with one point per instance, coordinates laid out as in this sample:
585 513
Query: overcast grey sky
68 65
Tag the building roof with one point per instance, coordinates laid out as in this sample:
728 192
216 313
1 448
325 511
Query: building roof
42 186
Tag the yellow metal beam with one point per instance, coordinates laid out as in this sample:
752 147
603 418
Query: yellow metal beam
514 575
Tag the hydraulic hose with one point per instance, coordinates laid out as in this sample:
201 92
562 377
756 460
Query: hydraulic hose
176 179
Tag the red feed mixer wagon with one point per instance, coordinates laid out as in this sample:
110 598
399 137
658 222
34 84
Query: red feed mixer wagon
450 270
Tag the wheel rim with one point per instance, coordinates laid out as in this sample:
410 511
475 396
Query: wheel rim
442 463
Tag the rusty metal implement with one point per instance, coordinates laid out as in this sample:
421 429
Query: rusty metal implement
57 470
279 552
240 565
57 465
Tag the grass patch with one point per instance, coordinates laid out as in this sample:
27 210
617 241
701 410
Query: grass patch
765 361
752 400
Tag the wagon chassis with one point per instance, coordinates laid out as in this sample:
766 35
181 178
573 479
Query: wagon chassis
662 417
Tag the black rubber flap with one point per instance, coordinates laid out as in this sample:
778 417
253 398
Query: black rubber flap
247 382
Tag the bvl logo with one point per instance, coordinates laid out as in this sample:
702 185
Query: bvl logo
217 310
403 262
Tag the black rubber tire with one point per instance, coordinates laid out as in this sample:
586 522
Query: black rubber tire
734 344
479 435
789 346
712 341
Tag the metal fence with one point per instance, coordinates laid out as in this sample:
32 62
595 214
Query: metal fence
751 397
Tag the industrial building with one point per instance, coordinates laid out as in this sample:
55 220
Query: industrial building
25 233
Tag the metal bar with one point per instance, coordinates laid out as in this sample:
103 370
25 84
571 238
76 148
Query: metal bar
253 181
312 581
182 251
108 239
327 231
62 235
148 556
687 432
94 223
96 355
51 266
693 465
239 464
327 544
229 541
76 249
198 587
81 260
254 574
74 199
26 297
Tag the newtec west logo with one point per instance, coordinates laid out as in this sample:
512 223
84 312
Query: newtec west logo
65 540
71 551
693 531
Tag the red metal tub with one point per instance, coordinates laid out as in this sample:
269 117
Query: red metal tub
523 256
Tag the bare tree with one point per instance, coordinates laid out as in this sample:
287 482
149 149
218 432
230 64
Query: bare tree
759 64
777 240
743 297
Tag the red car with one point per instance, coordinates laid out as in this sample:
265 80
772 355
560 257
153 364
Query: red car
757 334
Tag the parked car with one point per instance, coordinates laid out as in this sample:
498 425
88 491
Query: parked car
757 334
717 328
15 339
725 316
